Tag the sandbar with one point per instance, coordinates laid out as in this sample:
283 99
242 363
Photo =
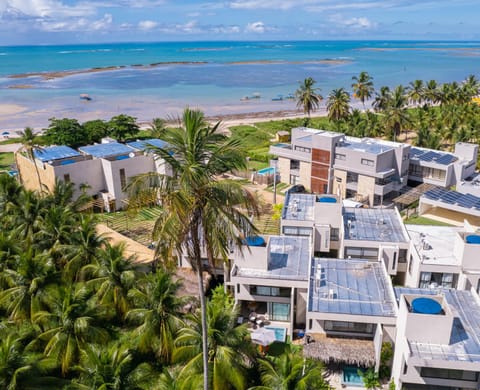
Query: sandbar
11 109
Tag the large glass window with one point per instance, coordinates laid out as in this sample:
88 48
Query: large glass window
270 291
438 279
361 253
123 178
443 373
366 161
297 231
294 164
280 311
348 327
334 234
303 149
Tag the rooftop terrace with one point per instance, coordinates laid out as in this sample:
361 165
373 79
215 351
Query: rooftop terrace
428 155
354 287
434 244
367 145
299 207
373 225
288 259
148 143
465 336
52 153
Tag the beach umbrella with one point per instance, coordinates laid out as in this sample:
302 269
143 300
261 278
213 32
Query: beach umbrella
5 133
263 336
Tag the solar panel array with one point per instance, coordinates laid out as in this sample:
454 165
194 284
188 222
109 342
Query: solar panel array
106 150
51 153
467 201
432 156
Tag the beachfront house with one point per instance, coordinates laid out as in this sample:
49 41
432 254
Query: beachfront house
101 170
369 170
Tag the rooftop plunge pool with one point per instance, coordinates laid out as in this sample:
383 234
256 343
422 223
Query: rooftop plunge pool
351 376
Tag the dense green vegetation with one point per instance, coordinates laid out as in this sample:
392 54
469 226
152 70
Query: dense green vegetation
6 161
75 313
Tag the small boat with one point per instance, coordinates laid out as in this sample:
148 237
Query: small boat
85 96
278 98
290 96
244 99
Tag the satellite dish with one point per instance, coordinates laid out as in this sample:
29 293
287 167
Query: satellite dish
131 155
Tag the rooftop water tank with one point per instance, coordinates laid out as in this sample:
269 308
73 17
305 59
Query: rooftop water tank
472 239
426 306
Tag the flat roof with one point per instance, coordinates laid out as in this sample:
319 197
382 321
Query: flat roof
453 198
356 287
367 145
106 150
288 258
299 207
429 155
144 144
367 224
51 153
434 244
464 342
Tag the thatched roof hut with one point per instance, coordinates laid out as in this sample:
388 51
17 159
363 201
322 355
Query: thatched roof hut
340 350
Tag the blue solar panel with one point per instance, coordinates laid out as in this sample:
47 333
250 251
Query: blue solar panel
429 156
446 159
451 197
467 201
55 153
435 194
106 150
144 144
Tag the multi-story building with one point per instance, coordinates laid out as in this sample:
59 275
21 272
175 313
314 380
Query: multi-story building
368 169
100 170
437 343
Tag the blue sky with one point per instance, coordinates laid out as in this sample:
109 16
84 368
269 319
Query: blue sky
86 21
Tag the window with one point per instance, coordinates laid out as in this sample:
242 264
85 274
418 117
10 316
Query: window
280 311
238 288
410 265
394 263
361 253
478 286
402 256
303 149
443 373
66 178
123 178
294 164
432 279
297 231
348 327
368 162
352 177
339 156
270 291
334 234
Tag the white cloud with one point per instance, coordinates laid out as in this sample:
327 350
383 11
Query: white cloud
353 23
225 29
46 8
147 25
255 27
79 24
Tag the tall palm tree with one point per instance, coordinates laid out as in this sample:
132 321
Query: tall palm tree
307 96
28 139
397 116
70 324
338 105
112 367
198 210
229 351
158 314
157 128
471 86
381 99
363 87
431 92
415 92
291 371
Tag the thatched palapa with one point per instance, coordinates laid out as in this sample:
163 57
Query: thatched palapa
338 350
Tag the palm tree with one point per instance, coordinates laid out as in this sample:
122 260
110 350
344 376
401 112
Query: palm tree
291 371
370 379
112 368
338 105
157 128
363 87
113 277
471 86
229 351
308 97
158 313
396 114
381 99
198 210
29 146
416 92
431 92
69 324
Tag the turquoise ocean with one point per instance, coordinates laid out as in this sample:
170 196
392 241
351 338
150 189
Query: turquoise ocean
150 80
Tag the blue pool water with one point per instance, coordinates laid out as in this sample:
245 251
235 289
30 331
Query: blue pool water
280 333
266 171
351 376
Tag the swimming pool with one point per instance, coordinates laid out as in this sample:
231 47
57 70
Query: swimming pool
266 171
280 333
351 376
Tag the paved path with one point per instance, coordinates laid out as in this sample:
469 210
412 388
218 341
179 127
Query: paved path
9 148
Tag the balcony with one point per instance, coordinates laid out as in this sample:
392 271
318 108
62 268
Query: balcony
286 151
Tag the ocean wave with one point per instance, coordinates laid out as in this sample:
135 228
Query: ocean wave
84 51
205 49
3 54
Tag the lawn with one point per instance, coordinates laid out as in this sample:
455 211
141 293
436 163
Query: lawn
6 160
419 220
